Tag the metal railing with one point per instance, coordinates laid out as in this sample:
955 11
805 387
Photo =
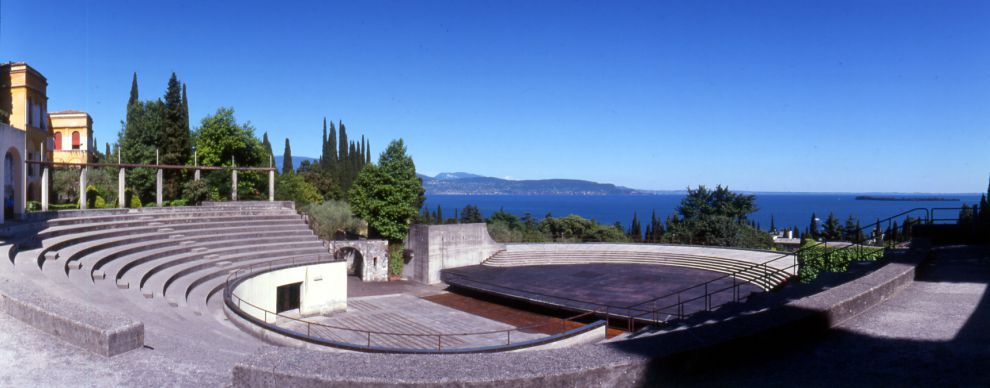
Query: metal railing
688 301
313 330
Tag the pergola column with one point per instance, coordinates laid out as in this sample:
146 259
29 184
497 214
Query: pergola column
271 185
121 200
158 188
196 175
44 187
82 187
233 185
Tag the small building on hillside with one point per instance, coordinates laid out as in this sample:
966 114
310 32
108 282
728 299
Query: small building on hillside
72 131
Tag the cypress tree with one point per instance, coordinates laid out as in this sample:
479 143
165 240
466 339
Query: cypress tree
813 227
134 91
176 143
185 107
635 230
773 225
324 154
287 158
267 144
342 154
367 158
107 155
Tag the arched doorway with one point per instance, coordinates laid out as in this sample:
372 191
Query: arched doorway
12 184
355 261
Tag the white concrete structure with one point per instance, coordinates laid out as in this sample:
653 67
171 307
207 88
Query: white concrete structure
323 290
436 247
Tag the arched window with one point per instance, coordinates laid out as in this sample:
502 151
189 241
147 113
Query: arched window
75 140
58 141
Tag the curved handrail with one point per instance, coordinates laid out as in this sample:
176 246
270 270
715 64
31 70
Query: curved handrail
233 279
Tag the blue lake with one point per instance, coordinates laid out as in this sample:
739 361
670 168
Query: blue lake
788 210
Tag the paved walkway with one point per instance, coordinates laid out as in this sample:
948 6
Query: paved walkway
936 332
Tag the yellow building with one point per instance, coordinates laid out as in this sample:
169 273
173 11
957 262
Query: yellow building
24 106
72 132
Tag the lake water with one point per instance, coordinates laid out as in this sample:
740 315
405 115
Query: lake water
788 210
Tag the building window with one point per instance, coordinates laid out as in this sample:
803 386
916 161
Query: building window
58 141
75 140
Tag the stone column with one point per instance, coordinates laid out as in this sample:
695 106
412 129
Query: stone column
233 185
44 188
158 188
271 185
82 187
121 199
196 175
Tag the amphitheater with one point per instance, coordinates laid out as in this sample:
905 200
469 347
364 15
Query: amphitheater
244 294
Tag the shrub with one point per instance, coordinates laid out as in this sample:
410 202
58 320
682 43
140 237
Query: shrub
333 218
94 200
64 206
195 192
33 206
396 259
132 199
291 187
179 202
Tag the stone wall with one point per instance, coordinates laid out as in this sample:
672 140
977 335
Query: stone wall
373 254
436 247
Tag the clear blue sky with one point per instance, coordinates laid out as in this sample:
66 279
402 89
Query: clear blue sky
758 95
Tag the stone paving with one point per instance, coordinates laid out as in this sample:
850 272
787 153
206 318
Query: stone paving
418 319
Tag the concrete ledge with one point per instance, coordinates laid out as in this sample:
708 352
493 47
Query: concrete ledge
101 332
634 362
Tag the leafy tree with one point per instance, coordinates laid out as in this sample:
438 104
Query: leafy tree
195 192
388 195
471 214
141 136
716 217
333 220
221 141
292 187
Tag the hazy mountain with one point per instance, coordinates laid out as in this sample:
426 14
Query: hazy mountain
296 161
461 183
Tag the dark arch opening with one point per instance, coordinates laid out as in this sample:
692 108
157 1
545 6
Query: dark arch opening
355 261
12 181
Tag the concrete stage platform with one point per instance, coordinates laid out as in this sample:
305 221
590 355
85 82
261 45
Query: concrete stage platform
593 287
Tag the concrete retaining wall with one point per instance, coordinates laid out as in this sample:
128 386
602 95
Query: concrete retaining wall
436 247
98 331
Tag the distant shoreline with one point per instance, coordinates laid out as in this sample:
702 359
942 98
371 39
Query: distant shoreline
905 199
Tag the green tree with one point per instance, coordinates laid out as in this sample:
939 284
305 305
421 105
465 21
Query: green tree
388 196
140 138
176 145
831 230
221 141
267 146
292 187
635 229
813 226
287 158
471 214
716 217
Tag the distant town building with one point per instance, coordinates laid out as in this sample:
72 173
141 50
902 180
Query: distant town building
72 132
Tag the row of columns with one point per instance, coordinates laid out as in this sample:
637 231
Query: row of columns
121 178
